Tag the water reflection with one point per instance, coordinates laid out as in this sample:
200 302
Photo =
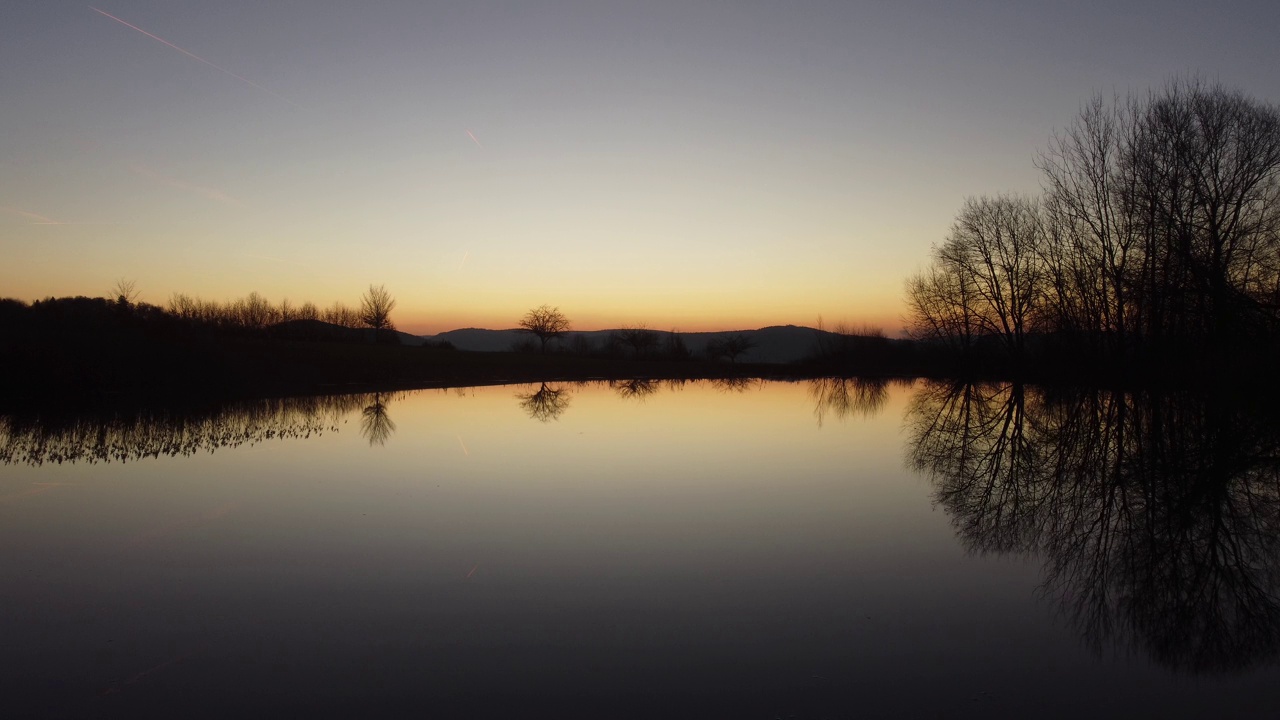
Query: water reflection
1158 517
848 397
635 389
735 384
376 426
120 437
547 403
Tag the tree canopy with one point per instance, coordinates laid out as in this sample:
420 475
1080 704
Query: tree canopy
1158 231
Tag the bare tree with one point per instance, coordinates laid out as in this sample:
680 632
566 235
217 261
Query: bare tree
730 348
1163 211
1158 236
996 244
641 339
988 278
124 292
254 312
341 315
674 348
940 304
545 322
375 310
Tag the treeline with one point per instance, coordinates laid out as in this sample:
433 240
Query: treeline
642 343
1155 244
76 346
251 314
255 312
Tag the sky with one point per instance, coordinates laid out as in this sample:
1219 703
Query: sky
682 164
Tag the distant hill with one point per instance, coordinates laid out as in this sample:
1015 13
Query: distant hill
777 344
320 330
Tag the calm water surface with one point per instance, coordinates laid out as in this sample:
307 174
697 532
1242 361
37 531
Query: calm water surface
827 549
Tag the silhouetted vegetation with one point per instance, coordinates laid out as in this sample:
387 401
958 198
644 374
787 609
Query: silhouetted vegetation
116 435
545 323
74 348
639 338
375 312
88 351
730 348
1157 517
1156 246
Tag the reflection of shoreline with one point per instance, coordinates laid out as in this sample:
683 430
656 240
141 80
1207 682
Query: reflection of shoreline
1157 518
840 397
107 436
119 437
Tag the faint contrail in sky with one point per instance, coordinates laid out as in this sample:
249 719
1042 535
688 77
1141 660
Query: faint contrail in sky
473 139
209 192
465 255
196 57
34 218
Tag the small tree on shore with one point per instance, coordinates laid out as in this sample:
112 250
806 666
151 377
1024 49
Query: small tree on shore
545 322
730 347
375 310
124 292
641 339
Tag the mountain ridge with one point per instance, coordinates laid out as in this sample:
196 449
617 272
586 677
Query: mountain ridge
772 344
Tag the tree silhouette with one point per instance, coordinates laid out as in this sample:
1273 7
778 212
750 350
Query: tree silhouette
375 311
730 348
545 322
640 338
124 292
987 277
1156 236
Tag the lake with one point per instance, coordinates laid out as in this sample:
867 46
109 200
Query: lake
813 549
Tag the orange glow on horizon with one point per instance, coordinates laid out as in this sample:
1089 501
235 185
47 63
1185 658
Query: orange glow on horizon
430 324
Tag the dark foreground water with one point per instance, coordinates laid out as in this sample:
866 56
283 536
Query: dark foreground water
828 549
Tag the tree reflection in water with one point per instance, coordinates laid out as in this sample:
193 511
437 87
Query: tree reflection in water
545 404
846 397
142 433
635 389
376 426
1158 517
735 384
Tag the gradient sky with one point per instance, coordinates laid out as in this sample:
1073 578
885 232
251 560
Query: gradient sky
686 164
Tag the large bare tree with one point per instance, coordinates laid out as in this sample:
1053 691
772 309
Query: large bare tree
1157 236
987 278
545 322
1166 215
